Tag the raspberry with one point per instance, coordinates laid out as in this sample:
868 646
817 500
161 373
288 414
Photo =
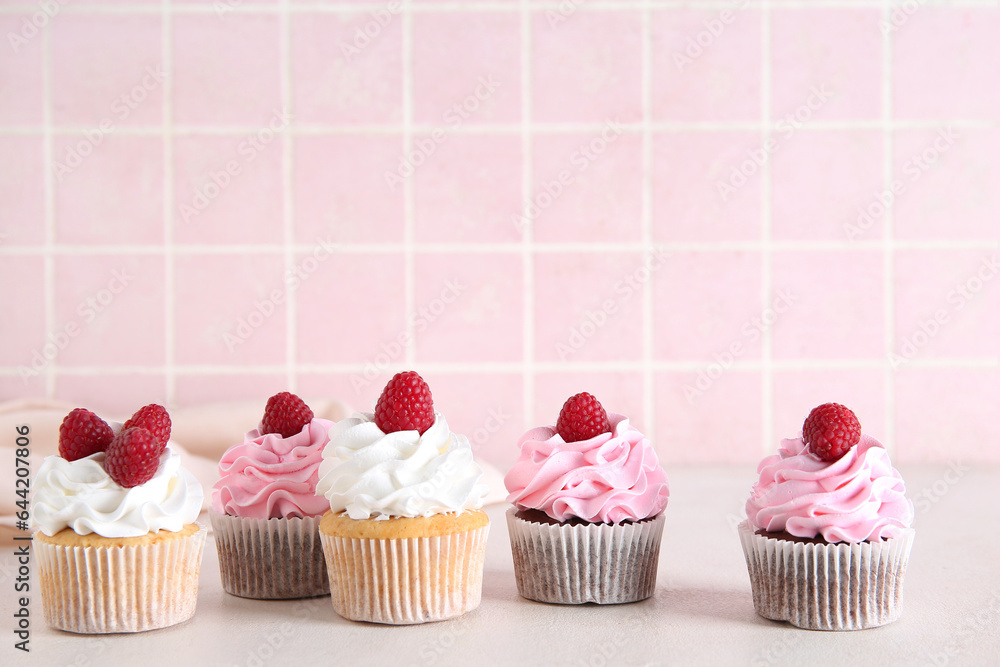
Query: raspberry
581 418
831 430
285 414
83 433
405 404
153 418
132 457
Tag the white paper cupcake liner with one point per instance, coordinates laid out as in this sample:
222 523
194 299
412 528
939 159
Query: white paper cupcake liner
270 559
96 590
827 586
408 580
577 563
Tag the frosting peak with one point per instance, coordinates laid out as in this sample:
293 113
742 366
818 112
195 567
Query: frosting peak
268 476
858 497
371 474
82 496
609 478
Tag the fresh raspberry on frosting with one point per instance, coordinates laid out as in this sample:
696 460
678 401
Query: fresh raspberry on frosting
132 457
83 433
153 418
405 404
830 431
285 414
581 418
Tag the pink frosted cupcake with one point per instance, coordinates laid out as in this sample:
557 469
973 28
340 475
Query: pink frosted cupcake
265 511
588 499
828 536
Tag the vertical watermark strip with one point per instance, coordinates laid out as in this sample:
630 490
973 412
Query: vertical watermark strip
22 549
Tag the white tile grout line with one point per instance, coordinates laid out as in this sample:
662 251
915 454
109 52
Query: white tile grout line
648 304
473 128
48 261
491 7
169 268
528 231
287 147
541 367
409 203
888 263
514 247
767 266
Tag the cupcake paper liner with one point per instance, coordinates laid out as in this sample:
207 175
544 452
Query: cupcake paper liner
827 586
270 559
573 564
407 580
96 590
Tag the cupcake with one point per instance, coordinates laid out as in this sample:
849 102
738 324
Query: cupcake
117 544
588 499
404 537
827 536
265 511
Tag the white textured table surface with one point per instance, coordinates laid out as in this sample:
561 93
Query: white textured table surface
701 613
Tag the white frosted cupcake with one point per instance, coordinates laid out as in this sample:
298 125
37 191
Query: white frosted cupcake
828 537
588 498
405 540
117 544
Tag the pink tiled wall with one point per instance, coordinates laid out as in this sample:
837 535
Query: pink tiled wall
659 202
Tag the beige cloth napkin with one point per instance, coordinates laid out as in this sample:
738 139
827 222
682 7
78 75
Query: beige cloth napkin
200 434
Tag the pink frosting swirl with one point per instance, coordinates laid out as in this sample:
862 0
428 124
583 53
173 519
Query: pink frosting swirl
267 476
856 498
609 478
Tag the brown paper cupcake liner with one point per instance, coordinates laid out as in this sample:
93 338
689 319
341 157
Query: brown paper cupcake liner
407 580
270 559
95 590
827 586
577 563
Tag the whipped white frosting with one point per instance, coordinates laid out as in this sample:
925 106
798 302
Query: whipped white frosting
82 496
371 474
